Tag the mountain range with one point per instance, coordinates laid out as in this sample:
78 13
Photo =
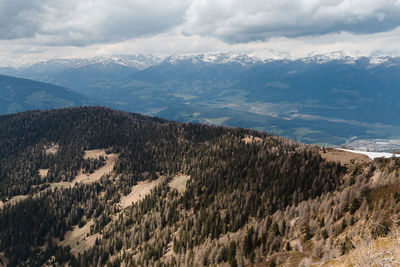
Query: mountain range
326 99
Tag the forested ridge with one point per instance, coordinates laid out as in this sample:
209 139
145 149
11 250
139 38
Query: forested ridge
233 184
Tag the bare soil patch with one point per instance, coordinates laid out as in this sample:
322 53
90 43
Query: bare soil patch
344 157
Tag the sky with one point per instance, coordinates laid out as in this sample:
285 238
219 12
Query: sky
34 30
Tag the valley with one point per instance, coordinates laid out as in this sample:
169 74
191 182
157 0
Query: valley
315 100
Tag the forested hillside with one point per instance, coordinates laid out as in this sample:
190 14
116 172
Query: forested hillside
21 94
104 187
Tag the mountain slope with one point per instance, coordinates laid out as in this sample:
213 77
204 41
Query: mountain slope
22 94
223 172
104 187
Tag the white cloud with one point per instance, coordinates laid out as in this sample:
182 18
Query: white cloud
80 23
244 21
32 30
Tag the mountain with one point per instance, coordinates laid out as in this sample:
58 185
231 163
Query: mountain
86 78
214 59
186 70
83 75
328 99
55 65
108 188
22 94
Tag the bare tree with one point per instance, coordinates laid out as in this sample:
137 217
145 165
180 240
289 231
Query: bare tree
373 250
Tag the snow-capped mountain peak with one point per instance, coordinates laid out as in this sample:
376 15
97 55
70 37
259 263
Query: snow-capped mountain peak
211 59
136 61
330 56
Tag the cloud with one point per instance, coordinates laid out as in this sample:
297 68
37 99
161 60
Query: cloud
243 21
19 19
81 23
35 30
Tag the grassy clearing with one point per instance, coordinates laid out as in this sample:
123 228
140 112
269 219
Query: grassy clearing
88 178
344 157
251 139
179 182
85 178
94 154
13 200
138 192
79 239
43 172
52 149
